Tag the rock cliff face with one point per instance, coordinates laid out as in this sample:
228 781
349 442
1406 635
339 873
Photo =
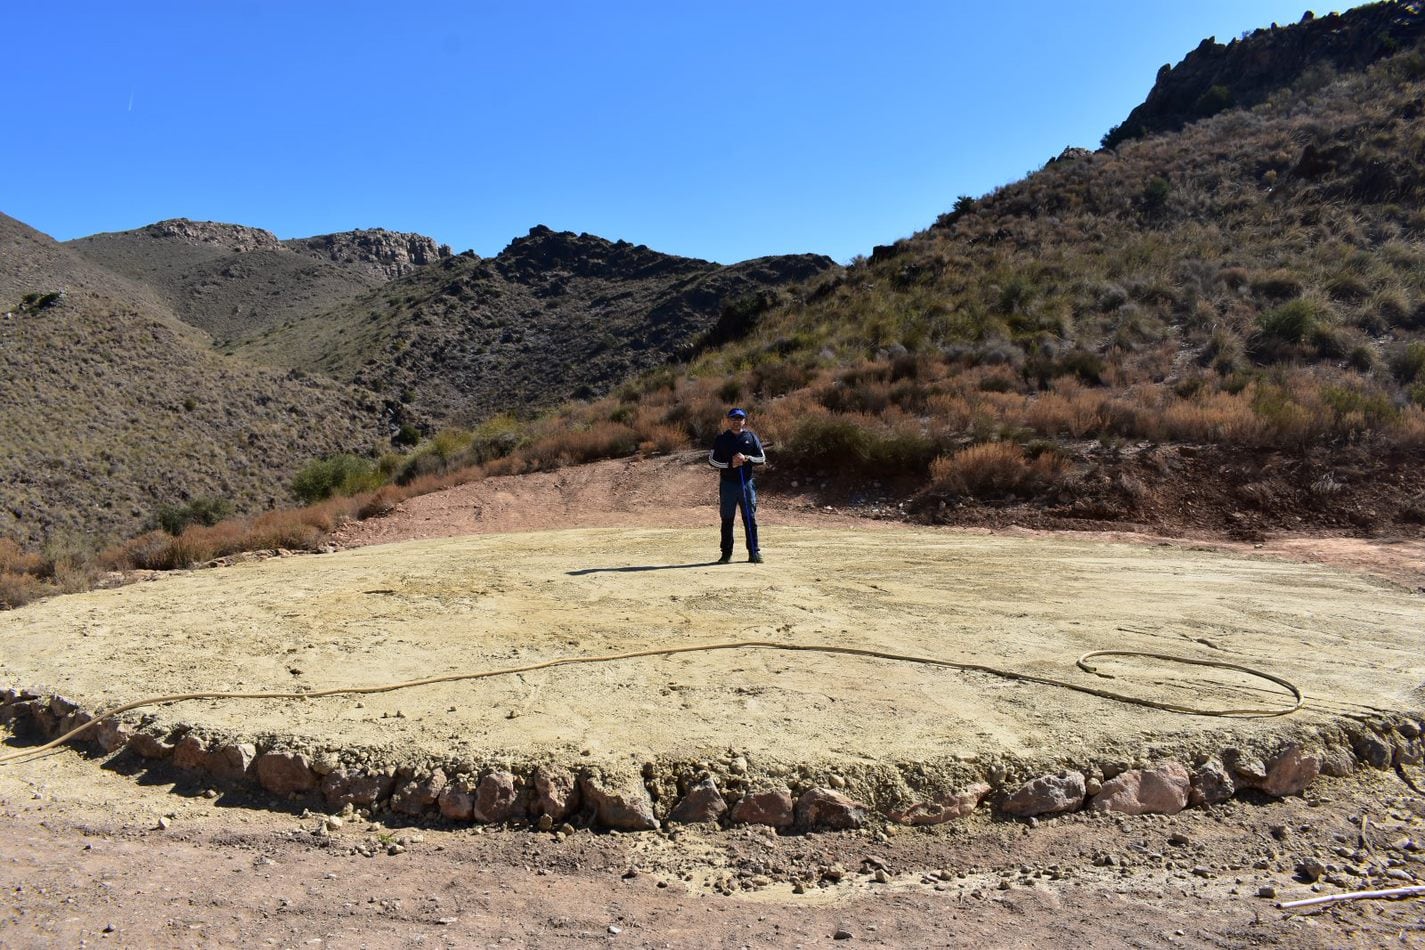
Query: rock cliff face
381 253
1244 72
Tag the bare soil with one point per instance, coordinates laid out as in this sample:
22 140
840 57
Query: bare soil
85 851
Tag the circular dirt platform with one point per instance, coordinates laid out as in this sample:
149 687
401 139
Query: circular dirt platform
898 737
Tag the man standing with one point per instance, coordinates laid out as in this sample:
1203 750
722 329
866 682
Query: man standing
734 452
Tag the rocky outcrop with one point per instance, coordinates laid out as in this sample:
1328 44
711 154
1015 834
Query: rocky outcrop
231 237
382 253
1245 71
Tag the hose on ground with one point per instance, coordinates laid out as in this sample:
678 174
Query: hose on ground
1081 663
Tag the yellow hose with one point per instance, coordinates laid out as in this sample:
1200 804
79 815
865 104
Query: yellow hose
730 645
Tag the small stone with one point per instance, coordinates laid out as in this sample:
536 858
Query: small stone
738 766
396 849
163 823
1310 870
842 933
615 929
1266 890
333 823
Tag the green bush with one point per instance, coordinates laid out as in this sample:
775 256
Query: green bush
336 475
1292 322
205 511
1155 193
1409 363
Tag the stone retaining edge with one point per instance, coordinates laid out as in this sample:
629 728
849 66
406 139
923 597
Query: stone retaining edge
551 796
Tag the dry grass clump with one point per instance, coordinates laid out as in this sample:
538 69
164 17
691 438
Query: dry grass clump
20 574
994 470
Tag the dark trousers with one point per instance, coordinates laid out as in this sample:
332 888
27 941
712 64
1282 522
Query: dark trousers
732 495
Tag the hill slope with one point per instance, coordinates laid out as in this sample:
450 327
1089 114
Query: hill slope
555 316
231 280
112 406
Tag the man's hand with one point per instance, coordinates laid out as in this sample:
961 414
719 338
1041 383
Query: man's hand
737 459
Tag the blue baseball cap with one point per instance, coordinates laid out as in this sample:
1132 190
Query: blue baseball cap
736 414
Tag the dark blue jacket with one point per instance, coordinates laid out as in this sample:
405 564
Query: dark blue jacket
726 445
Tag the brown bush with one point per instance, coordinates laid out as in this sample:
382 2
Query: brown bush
14 560
19 588
994 469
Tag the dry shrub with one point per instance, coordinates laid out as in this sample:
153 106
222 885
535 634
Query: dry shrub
1409 428
660 439
18 588
14 560
600 440
994 469
1069 409
1215 417
382 501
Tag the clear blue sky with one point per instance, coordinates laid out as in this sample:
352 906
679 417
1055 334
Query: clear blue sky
723 129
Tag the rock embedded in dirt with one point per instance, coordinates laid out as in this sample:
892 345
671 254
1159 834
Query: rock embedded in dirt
499 797
457 800
1162 790
1338 762
556 792
357 789
285 773
1373 750
619 802
1211 785
771 806
1289 773
112 735
1047 795
703 803
150 746
823 808
419 794
1248 770
943 808
1310 870
190 753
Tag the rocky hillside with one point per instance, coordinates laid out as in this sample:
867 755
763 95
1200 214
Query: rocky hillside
112 406
554 316
1221 328
231 281
1246 71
